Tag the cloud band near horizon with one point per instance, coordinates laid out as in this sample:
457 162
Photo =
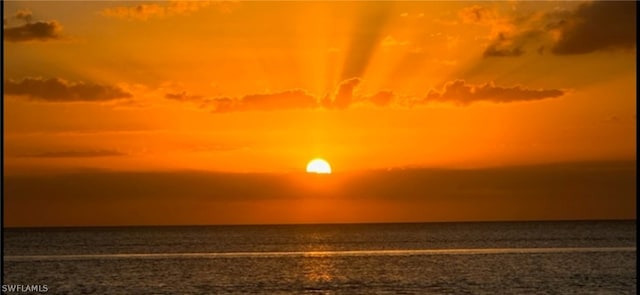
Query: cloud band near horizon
457 92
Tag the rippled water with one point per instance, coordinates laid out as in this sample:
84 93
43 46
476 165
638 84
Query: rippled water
445 258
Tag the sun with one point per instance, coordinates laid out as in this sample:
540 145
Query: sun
319 166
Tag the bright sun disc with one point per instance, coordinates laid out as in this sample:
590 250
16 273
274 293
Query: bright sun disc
319 166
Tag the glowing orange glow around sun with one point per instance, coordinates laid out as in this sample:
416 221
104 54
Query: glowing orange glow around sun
319 166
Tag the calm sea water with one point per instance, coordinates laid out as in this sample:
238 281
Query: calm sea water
596 257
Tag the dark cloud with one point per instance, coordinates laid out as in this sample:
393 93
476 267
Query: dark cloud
559 191
598 25
460 92
507 182
105 185
410 183
31 31
38 31
592 26
292 99
58 90
77 154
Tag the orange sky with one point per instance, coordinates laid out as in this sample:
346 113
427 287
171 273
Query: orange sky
260 88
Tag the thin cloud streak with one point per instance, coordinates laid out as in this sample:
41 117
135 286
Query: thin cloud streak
146 11
461 93
76 154
59 90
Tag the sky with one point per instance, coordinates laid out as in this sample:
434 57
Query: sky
207 112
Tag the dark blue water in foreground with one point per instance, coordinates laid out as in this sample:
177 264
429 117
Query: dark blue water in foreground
596 257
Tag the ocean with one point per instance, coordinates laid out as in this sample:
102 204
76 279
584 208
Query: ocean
570 257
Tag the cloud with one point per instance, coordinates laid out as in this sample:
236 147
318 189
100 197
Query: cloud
566 190
183 96
409 183
145 11
503 46
38 31
207 185
592 26
381 99
286 100
477 14
24 14
459 92
59 90
346 96
598 25
31 31
77 154
505 34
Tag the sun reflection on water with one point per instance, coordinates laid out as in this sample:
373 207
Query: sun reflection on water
318 269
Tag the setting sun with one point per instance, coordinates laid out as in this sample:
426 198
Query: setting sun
319 166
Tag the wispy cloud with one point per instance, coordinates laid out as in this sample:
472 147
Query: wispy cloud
148 10
59 90
286 100
461 93
76 154
183 96
504 46
24 14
